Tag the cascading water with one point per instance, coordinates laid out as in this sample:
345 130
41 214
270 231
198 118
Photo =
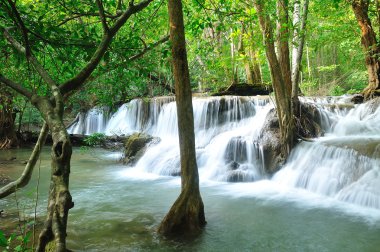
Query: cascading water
343 164
93 121
225 130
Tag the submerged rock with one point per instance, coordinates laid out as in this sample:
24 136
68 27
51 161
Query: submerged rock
369 147
135 147
236 150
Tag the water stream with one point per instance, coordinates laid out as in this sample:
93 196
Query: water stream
326 198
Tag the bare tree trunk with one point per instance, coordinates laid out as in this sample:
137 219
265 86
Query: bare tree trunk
308 63
247 62
8 138
298 43
283 42
369 43
256 68
186 216
60 202
282 95
233 60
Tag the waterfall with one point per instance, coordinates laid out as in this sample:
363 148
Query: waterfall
226 130
93 121
343 164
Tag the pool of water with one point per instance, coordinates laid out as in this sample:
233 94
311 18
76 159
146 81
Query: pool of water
119 209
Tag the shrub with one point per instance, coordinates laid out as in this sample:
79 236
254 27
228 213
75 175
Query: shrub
95 139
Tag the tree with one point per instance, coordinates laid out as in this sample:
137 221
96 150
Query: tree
186 216
298 43
8 136
282 94
51 102
370 46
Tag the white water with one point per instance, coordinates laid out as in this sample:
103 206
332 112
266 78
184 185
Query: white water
93 121
343 165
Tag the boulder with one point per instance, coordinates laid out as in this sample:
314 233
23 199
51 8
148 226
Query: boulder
270 141
309 122
135 147
307 126
236 150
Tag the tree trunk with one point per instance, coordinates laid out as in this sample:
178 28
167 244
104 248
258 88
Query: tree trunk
282 95
186 216
369 43
256 68
250 79
60 202
283 42
298 43
8 138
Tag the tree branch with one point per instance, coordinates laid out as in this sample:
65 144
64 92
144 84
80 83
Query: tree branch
148 48
22 26
102 16
27 173
41 71
77 81
15 86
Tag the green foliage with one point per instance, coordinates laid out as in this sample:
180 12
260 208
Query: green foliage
95 139
337 90
15 242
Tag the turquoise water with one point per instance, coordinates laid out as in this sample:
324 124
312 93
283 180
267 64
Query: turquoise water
117 209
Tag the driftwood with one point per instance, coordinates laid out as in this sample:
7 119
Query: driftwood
245 90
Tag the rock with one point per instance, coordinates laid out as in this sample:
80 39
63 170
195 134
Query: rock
4 180
357 99
77 139
270 142
369 147
308 126
309 123
235 176
236 150
232 166
136 146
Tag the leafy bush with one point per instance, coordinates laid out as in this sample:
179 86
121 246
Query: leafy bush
95 139
337 90
14 242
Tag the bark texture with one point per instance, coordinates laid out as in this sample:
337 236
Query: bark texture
283 42
369 43
186 216
298 44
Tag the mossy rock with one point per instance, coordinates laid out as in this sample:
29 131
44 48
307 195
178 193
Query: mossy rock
135 147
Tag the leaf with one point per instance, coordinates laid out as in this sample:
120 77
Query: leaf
3 240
